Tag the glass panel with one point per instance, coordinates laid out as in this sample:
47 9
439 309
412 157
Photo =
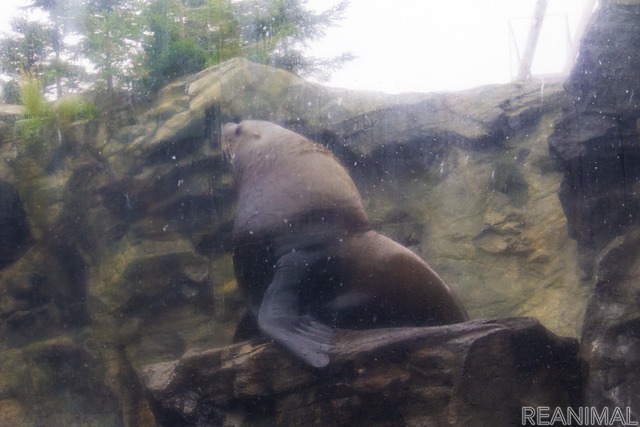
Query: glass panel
290 212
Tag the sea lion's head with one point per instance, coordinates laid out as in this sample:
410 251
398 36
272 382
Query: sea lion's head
281 176
232 134
253 136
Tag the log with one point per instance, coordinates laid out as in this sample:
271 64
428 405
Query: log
474 373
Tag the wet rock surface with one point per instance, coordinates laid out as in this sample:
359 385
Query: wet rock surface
611 334
596 137
14 229
596 141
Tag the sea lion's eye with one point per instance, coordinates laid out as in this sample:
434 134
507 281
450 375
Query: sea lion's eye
238 130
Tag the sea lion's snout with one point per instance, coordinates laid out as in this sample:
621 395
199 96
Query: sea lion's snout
229 130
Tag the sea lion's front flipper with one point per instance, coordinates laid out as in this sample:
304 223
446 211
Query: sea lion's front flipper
279 317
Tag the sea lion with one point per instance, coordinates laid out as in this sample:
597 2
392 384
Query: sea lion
304 255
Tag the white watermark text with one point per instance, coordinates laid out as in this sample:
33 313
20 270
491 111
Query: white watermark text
581 416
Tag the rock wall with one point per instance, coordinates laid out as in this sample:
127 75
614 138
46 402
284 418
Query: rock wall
466 181
596 141
123 223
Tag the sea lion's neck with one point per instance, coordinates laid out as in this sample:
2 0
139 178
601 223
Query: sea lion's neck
252 163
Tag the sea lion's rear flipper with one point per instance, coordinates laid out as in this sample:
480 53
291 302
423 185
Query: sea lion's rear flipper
279 317
309 340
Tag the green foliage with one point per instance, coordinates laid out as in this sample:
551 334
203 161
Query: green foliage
72 108
184 57
27 50
271 32
36 108
112 32
11 92
281 29
225 42
185 38
61 21
30 128
128 42
31 96
37 45
39 113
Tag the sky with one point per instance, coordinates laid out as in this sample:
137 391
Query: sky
424 45
428 45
